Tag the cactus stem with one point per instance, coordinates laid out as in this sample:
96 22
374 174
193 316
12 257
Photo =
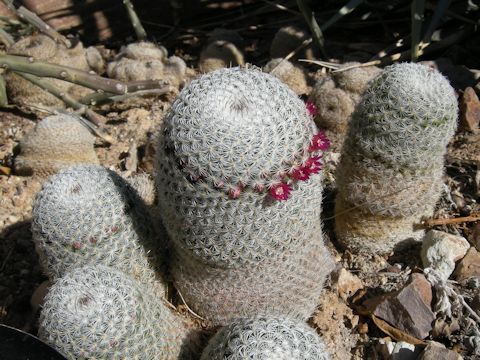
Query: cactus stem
137 25
76 76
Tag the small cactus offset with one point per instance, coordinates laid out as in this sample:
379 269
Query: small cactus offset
56 142
146 61
390 174
96 312
336 95
266 339
90 215
239 185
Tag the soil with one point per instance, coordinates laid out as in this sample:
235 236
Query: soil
347 333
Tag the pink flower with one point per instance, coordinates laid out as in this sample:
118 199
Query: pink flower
311 108
319 142
302 173
313 165
280 191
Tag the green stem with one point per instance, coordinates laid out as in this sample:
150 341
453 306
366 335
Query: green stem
65 97
317 33
79 77
137 25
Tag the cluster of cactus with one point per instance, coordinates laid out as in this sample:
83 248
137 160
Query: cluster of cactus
147 61
390 174
337 94
56 142
265 338
96 241
42 48
239 186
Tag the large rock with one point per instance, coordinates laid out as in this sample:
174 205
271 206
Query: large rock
441 250
408 309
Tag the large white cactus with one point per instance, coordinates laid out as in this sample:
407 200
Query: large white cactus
239 185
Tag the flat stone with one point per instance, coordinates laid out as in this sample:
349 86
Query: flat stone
408 309
441 250
436 351
469 266
469 111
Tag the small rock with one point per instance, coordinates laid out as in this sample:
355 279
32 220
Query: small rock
475 237
385 347
347 284
404 351
437 351
469 111
469 266
408 309
440 251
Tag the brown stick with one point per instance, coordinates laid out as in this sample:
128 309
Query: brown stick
434 222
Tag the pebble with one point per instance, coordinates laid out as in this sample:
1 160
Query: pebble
469 266
441 250
347 284
404 351
469 111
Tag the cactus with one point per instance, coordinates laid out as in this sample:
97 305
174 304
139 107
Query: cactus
288 39
266 339
239 186
390 174
96 312
146 61
88 214
292 75
56 142
335 95
222 49
43 48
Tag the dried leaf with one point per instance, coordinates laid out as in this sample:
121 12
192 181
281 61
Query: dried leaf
5 170
395 333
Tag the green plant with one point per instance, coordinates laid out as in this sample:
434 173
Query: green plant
96 312
267 339
239 185
90 215
391 168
